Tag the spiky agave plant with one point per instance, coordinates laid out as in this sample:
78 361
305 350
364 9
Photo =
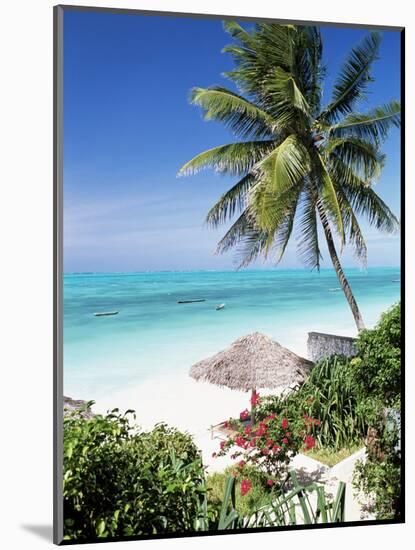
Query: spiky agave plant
296 161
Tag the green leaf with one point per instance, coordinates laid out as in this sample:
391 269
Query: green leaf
243 117
373 126
100 528
234 158
354 77
330 201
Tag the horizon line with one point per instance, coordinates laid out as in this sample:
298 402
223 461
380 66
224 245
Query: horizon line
362 269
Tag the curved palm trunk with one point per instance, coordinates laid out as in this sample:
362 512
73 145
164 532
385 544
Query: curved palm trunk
339 271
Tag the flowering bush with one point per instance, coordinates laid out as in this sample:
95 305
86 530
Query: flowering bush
269 445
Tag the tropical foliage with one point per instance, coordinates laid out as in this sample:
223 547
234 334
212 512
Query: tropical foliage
292 508
349 395
121 482
330 394
378 370
378 366
379 477
299 164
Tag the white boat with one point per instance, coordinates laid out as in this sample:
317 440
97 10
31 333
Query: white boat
220 306
334 289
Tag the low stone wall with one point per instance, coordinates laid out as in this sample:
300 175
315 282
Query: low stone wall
321 345
70 405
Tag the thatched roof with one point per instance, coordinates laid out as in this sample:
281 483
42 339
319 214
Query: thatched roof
252 362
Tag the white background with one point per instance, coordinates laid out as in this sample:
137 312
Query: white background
26 269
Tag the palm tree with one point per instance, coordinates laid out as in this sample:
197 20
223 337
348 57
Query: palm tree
298 163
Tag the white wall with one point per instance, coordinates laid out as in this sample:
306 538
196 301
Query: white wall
26 259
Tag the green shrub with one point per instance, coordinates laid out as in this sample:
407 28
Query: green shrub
378 365
378 369
329 394
379 477
118 481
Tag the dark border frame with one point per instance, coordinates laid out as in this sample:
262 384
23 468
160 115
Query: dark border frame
58 30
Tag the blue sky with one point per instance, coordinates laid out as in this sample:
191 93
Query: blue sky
128 128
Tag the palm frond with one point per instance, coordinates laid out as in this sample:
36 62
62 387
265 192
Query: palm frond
350 223
234 158
285 100
307 231
234 111
354 77
249 239
366 202
273 207
329 199
254 244
373 126
344 173
231 201
286 164
308 68
361 156
238 33
363 200
283 234
268 47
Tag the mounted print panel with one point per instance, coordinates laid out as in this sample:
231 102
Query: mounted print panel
228 198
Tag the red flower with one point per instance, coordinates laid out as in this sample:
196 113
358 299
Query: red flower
240 441
241 463
254 398
309 442
246 486
285 440
270 482
284 424
247 430
317 422
226 425
244 414
253 442
262 429
269 442
276 449
288 434
265 451
222 444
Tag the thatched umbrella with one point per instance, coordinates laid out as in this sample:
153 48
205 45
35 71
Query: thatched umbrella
250 363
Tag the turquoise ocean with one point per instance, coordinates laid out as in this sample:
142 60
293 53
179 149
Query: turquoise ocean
154 335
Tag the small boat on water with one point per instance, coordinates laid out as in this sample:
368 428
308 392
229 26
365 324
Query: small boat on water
105 313
191 301
220 306
334 289
396 280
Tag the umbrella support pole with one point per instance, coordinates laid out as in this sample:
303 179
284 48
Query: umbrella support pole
253 392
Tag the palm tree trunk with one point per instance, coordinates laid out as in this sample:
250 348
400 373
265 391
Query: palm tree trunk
339 271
